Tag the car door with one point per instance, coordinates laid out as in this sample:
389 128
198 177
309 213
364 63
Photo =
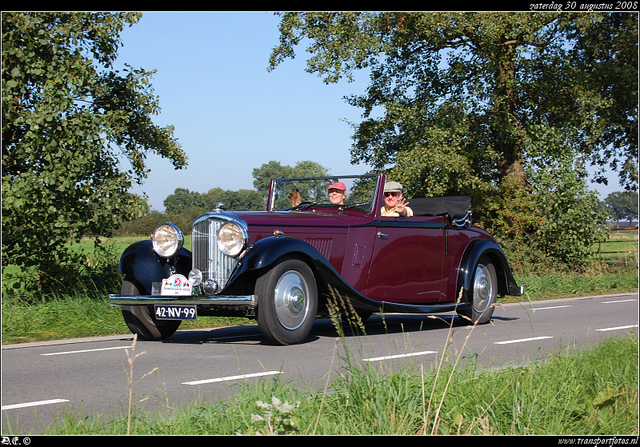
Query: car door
406 263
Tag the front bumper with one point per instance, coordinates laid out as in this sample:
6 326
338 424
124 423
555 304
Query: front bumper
249 301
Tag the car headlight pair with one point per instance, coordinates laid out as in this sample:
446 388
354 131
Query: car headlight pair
168 239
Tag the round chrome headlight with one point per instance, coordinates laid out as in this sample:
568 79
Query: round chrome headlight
231 239
167 239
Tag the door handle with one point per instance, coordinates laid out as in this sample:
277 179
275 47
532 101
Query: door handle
382 235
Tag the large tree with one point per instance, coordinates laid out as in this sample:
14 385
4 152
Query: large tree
623 205
482 85
475 103
181 199
75 134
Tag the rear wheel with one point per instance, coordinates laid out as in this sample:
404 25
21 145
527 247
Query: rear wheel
141 321
288 302
485 292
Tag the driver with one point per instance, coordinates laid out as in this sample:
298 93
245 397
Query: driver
337 193
395 205
294 197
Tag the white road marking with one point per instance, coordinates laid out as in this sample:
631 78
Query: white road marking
618 301
619 328
229 378
550 307
399 356
87 350
33 404
522 340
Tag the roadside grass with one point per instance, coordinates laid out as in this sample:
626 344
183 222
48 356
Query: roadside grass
59 318
597 280
572 392
77 316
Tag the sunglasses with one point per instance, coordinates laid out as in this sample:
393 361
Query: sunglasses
336 191
392 194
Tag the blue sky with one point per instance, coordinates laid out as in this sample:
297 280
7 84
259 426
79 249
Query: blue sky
230 114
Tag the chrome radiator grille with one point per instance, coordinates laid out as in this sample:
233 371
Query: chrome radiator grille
206 256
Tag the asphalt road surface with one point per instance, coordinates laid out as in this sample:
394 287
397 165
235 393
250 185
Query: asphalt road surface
42 381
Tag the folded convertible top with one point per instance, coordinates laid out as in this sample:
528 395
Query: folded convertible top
457 208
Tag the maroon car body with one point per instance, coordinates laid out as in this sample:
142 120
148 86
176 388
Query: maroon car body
281 266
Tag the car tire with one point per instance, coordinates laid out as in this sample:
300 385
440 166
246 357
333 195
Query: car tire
485 292
287 302
141 321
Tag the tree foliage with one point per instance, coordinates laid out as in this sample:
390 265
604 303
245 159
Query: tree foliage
469 103
241 200
606 57
572 220
305 168
69 122
181 199
623 205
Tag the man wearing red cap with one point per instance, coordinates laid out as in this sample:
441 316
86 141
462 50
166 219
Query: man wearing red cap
337 193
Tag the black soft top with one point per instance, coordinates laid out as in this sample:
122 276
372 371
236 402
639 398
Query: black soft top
455 207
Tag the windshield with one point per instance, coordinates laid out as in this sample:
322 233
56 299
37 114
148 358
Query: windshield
297 194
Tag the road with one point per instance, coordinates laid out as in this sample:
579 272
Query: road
42 381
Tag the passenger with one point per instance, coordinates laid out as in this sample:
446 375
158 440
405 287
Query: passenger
395 205
337 193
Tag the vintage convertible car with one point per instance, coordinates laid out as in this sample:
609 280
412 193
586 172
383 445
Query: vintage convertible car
280 266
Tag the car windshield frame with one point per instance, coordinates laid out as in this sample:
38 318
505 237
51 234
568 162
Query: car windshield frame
362 193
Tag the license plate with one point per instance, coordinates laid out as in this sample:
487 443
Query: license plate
175 312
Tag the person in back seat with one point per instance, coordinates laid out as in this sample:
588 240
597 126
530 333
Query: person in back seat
395 205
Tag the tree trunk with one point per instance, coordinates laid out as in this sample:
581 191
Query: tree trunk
507 130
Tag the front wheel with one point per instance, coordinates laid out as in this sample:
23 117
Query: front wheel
288 302
485 292
141 321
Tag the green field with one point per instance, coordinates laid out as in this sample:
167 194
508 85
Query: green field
622 246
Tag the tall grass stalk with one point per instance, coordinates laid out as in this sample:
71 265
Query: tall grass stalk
448 343
131 357
326 386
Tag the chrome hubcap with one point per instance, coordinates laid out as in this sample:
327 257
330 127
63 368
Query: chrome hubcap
482 289
292 305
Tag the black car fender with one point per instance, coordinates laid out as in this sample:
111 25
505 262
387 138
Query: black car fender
475 250
265 253
143 266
